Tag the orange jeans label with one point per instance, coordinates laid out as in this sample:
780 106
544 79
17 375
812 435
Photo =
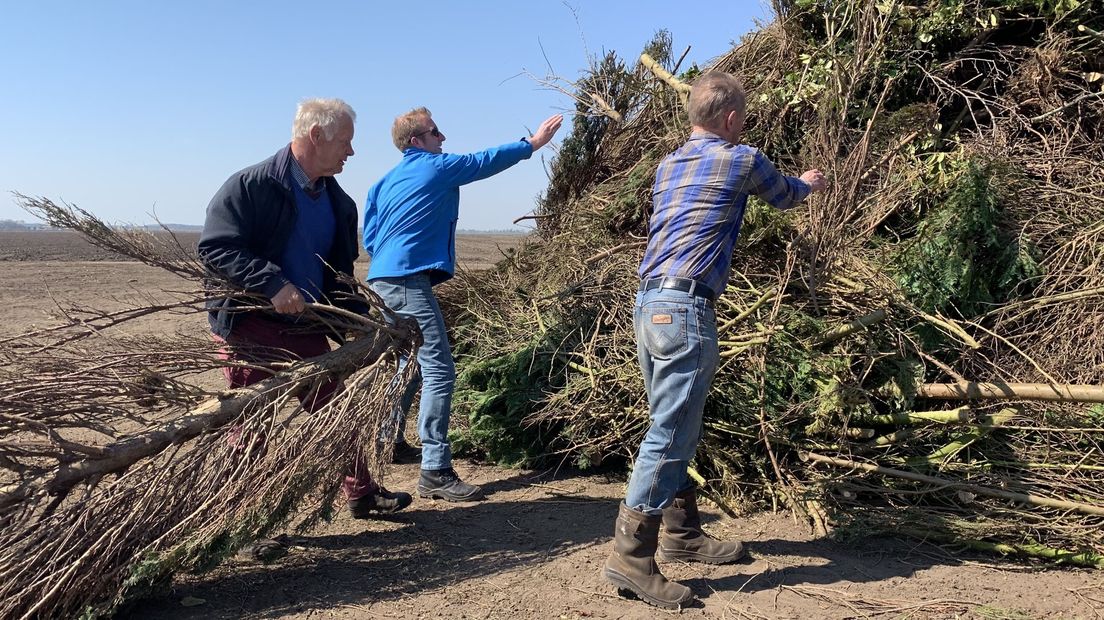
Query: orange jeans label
661 319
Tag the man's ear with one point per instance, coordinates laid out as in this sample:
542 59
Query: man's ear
731 119
316 134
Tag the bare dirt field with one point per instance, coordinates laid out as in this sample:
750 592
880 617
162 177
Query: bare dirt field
535 547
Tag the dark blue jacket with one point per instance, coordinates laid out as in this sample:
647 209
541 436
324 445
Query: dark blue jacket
248 224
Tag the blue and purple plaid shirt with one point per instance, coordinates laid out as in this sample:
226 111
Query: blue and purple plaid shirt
698 199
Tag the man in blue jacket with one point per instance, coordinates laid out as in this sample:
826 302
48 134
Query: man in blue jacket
410 233
280 229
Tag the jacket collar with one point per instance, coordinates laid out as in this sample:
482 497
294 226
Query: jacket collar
279 168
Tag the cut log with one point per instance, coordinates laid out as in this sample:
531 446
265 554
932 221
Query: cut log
1012 391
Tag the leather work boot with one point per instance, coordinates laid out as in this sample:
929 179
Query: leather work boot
684 540
632 565
403 453
382 501
445 484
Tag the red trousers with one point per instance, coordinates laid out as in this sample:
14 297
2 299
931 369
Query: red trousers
258 341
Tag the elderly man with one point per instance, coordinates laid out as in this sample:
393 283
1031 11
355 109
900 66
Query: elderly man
410 233
280 228
699 196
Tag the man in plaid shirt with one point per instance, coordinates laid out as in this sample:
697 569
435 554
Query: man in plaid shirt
699 197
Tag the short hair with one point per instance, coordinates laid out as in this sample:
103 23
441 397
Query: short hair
713 95
407 126
323 113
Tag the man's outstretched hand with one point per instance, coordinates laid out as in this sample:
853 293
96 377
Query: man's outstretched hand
546 130
815 179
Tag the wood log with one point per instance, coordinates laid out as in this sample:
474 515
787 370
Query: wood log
660 72
216 412
1012 391
846 330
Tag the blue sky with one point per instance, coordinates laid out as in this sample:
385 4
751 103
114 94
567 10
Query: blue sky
136 110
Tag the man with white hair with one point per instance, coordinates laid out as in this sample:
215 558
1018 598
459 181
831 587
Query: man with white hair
698 202
281 228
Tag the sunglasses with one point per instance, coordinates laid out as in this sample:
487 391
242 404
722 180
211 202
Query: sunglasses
435 132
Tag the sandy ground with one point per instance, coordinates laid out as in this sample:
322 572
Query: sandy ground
535 547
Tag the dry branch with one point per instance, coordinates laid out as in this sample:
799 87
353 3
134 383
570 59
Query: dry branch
954 484
962 225
119 466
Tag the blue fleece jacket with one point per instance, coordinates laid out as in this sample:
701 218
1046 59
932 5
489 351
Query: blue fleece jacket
410 215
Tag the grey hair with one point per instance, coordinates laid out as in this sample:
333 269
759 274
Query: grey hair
407 126
323 113
713 95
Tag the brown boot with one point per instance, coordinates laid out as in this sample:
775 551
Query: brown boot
632 565
684 540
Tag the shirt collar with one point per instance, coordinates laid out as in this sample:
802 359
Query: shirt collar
303 180
704 135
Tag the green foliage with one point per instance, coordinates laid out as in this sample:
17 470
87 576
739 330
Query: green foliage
964 258
1095 414
762 223
578 164
804 85
629 209
796 374
659 48
690 74
498 394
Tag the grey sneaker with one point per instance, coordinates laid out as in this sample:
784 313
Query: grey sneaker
445 484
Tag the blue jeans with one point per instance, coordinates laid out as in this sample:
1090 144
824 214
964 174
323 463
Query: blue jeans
412 296
676 336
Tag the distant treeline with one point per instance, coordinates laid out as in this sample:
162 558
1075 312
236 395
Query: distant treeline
19 226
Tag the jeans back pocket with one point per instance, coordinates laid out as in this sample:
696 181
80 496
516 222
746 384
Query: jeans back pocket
663 330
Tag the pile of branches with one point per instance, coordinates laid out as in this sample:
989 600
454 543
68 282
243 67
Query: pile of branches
123 459
916 350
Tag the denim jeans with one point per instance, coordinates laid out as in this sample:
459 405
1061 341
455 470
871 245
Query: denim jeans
412 296
676 336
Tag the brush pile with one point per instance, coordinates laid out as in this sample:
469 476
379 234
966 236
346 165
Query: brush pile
918 350
123 459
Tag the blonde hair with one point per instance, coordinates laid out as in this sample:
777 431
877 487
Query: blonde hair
713 95
325 114
407 126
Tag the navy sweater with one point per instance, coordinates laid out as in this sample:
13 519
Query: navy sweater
249 222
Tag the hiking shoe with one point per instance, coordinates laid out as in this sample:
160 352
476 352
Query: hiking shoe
404 454
445 484
382 501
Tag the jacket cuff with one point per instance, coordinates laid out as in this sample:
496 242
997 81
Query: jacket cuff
274 285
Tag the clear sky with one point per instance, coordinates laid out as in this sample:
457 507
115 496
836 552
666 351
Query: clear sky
141 109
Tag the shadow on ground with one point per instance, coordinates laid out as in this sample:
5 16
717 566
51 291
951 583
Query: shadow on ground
546 539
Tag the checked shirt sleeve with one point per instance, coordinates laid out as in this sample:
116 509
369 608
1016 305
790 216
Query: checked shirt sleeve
774 188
